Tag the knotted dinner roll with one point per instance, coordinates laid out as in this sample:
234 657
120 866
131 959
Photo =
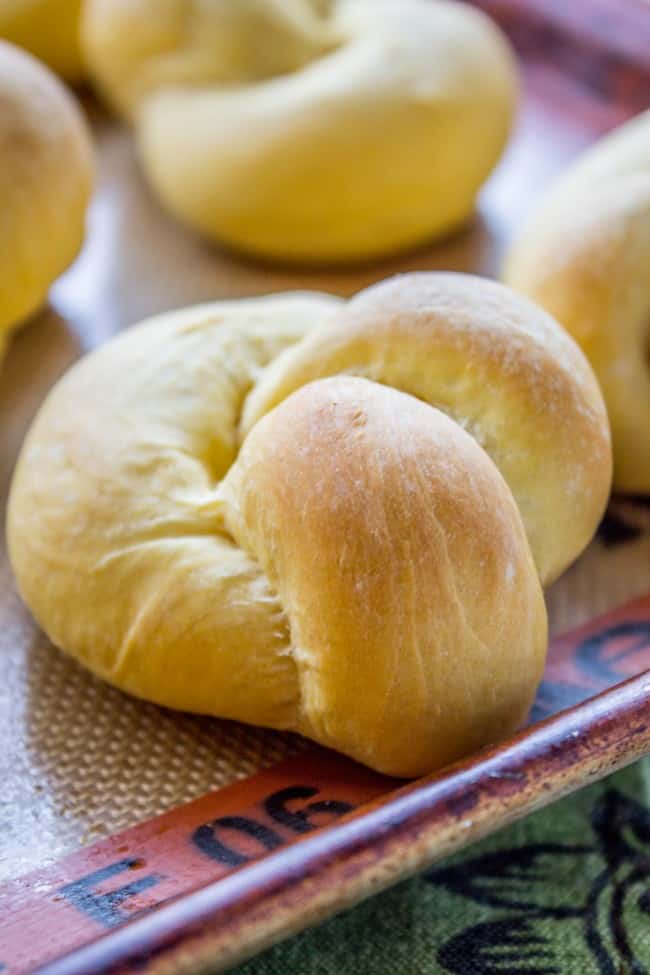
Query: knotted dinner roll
585 256
48 29
309 130
46 175
303 513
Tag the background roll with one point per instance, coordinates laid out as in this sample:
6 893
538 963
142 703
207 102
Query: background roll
357 128
585 256
46 179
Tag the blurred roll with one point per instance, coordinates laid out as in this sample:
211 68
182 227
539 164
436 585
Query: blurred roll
585 256
308 130
48 29
46 176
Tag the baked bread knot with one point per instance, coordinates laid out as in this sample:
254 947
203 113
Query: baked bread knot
309 130
48 29
46 175
319 515
585 256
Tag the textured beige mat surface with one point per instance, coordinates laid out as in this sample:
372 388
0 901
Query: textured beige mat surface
79 760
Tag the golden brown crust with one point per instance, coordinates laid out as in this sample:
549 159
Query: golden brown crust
399 555
500 367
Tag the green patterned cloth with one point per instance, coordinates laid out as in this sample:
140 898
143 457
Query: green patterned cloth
564 891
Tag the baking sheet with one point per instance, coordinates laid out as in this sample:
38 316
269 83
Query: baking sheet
79 760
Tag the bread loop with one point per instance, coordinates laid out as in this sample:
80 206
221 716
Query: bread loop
585 256
357 570
309 131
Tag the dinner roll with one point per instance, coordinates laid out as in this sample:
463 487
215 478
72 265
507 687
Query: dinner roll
309 130
296 511
46 174
585 256
49 29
